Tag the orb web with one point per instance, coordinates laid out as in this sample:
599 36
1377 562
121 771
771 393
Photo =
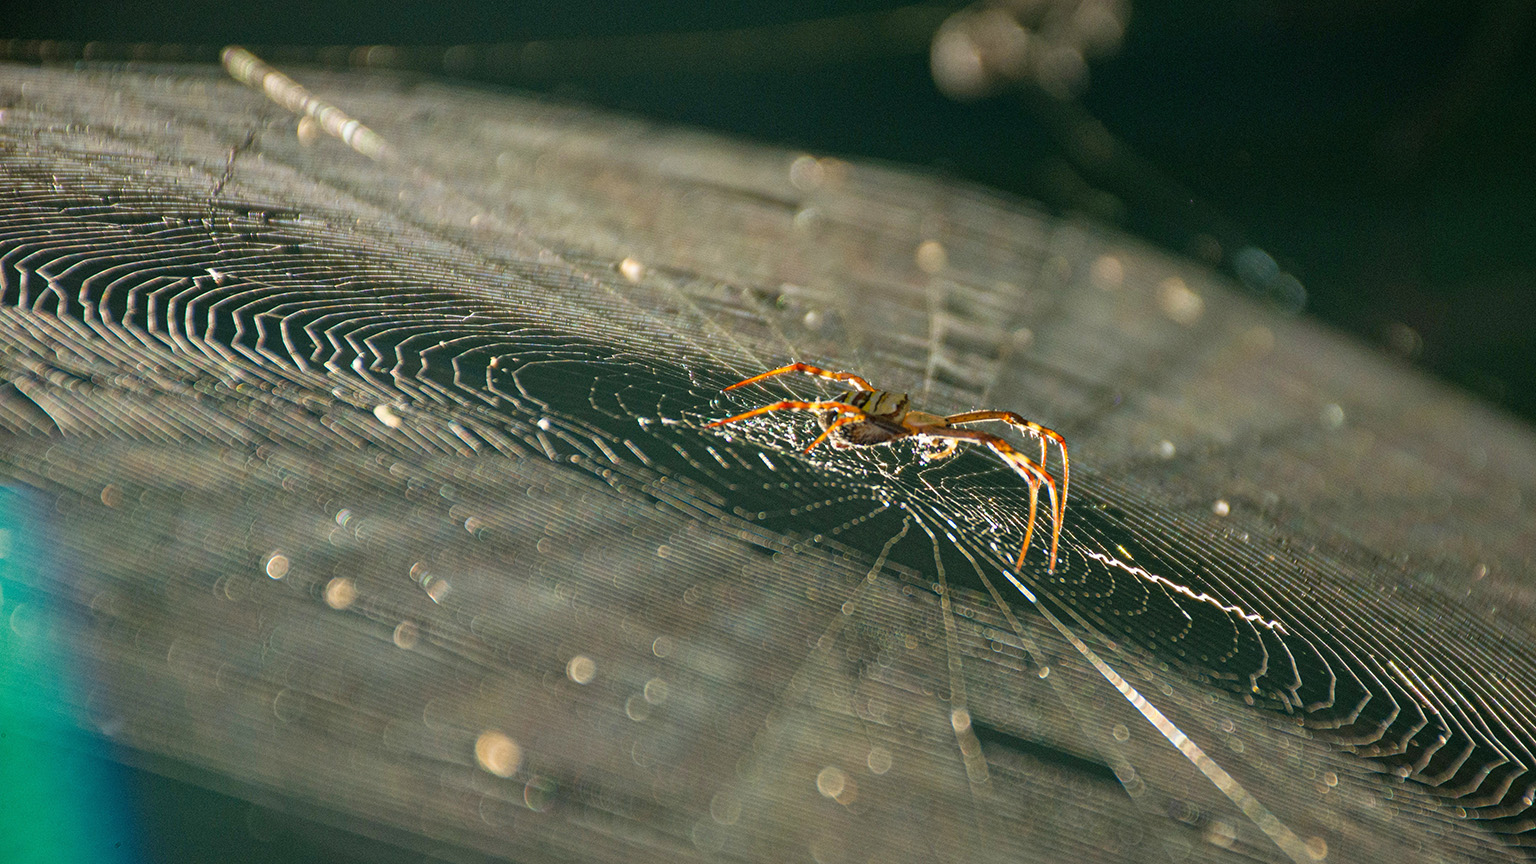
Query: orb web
434 389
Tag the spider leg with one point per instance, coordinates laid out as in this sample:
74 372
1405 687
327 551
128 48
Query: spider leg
1029 427
809 370
1031 471
790 405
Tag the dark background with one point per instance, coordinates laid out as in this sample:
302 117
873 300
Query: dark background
1377 150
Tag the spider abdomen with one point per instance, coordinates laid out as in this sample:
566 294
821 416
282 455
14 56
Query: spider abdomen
883 413
878 404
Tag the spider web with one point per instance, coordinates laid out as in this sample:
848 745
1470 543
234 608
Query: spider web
349 464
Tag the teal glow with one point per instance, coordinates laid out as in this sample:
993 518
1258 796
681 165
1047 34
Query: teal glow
61 798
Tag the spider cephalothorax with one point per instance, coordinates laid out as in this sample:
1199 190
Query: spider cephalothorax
864 416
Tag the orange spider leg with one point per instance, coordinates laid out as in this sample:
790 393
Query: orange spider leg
790 405
1029 527
850 413
1027 468
809 370
1032 428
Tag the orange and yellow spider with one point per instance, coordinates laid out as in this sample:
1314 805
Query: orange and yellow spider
863 416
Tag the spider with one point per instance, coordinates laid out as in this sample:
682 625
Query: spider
863 416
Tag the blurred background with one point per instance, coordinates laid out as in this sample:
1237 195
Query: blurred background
1365 161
